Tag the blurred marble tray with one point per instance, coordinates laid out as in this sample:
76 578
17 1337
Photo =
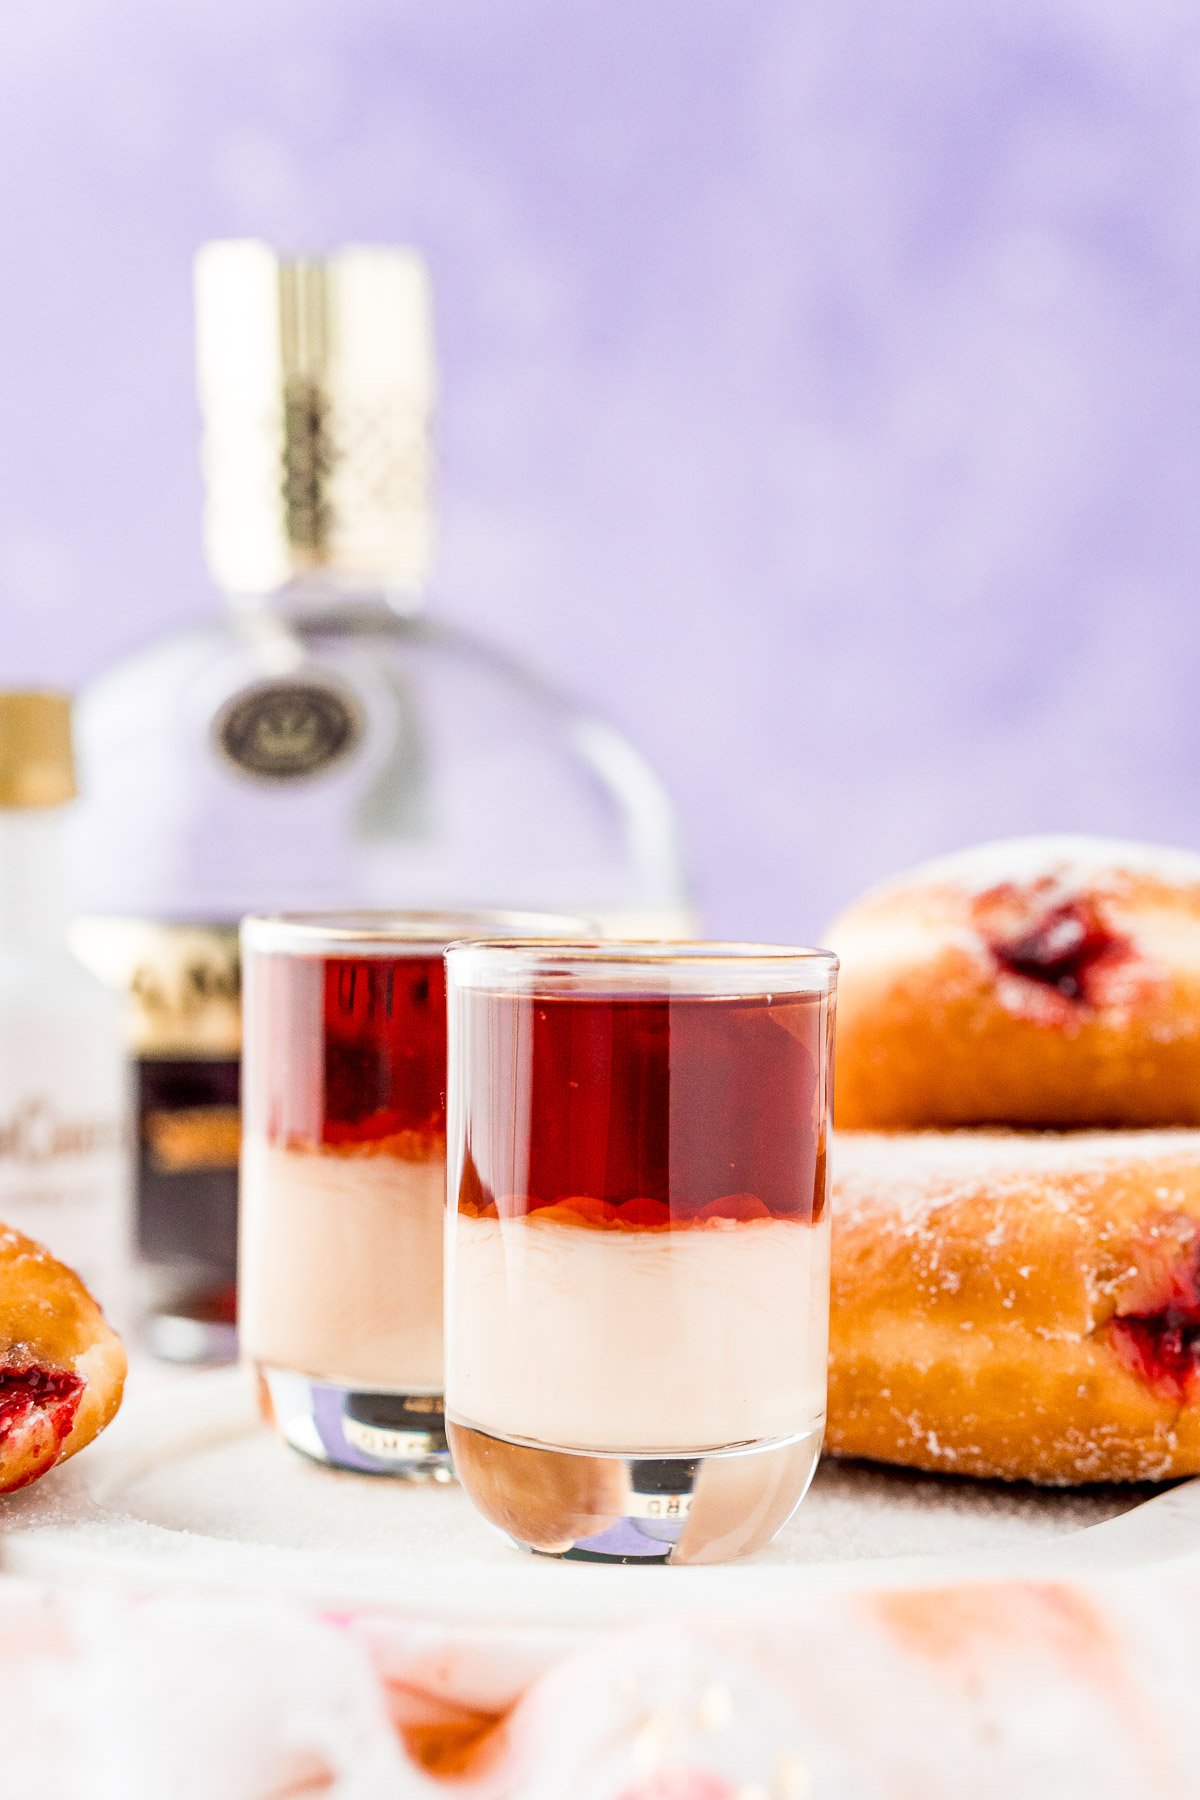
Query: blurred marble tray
188 1489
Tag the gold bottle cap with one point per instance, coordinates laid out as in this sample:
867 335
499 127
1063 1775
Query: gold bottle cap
37 767
316 383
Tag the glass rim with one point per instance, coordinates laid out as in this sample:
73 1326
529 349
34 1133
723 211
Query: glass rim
384 931
639 965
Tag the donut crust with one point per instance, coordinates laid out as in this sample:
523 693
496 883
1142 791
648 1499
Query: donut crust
1043 982
1018 1305
62 1366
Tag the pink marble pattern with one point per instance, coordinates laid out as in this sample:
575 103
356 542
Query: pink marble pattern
1010 1689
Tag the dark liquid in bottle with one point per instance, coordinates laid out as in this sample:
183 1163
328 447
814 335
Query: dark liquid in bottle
187 1166
643 1111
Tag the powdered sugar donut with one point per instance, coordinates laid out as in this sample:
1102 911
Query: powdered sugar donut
1023 1305
1042 981
62 1367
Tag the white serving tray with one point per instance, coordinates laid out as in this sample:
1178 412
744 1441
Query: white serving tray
188 1489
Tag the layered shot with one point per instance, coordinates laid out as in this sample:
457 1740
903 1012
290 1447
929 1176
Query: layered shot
343 1179
638 1242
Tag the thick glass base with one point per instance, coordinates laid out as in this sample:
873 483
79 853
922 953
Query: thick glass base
371 1431
706 1507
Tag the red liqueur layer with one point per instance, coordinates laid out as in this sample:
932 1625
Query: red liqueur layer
419 1146
354 1053
643 1213
644 1114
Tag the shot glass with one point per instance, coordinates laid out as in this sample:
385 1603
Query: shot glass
637 1242
343 1179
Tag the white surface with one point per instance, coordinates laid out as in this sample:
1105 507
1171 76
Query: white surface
187 1489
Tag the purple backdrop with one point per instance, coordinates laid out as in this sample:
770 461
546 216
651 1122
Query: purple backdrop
821 381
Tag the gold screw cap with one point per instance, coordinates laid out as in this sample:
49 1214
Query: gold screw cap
316 386
37 766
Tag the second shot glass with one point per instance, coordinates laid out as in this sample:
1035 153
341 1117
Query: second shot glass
638 1242
343 1178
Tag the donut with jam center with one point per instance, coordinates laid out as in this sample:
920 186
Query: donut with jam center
1039 982
1021 1305
62 1367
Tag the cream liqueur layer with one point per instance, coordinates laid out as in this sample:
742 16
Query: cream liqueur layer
341 1271
638 1340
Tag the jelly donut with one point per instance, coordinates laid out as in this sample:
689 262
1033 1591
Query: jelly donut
1018 1304
1043 981
62 1367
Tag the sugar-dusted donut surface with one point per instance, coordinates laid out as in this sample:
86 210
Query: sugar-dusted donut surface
62 1367
1047 981
1023 1305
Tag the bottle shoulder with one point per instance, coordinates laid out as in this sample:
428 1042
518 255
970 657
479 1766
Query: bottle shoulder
334 753
160 687
139 691
277 639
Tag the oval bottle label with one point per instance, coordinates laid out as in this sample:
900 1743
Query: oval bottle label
287 729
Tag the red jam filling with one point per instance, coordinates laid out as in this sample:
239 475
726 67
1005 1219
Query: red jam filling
1163 1346
1061 947
54 1392
644 1114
